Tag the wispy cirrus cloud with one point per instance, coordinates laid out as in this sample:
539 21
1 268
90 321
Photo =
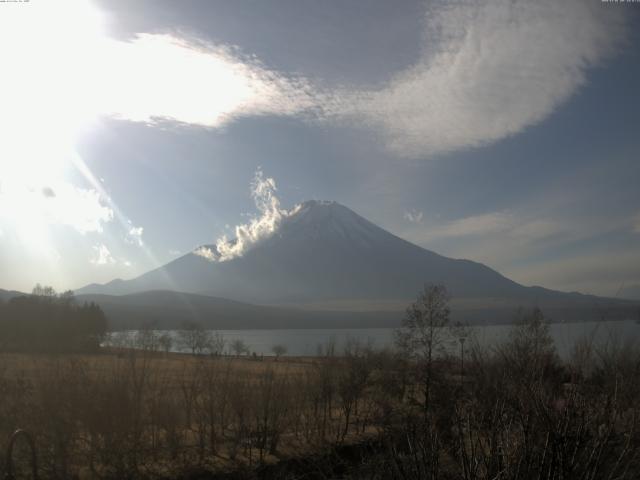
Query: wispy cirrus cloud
489 69
550 247
603 274
538 229
473 225
511 227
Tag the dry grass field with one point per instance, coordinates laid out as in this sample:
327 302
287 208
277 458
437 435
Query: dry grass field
147 414
173 364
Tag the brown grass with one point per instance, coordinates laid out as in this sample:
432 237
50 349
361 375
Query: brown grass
150 414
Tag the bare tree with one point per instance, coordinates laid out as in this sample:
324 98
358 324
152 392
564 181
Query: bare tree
44 292
422 333
216 343
239 347
147 339
194 337
328 348
166 342
278 351
530 349
352 380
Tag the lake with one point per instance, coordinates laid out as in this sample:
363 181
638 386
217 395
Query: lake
306 342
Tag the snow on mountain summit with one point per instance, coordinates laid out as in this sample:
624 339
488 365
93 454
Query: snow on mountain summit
329 220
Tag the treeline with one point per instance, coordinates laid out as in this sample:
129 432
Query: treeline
49 322
192 338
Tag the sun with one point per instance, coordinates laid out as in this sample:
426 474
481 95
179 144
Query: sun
60 71
46 51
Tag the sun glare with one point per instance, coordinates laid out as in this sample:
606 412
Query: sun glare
45 87
45 100
61 72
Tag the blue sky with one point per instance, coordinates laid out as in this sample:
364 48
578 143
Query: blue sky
503 132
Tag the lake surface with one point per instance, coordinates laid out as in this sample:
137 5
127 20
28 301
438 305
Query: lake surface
308 342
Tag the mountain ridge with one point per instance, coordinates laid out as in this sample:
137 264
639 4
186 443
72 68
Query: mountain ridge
325 252
161 309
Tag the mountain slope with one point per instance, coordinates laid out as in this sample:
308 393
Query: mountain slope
171 310
6 295
326 252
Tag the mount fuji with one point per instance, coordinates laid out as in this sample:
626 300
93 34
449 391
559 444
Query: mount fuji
325 256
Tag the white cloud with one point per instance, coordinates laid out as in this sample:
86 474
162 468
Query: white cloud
473 225
489 69
636 224
257 229
191 82
57 204
598 272
79 208
499 238
134 236
413 216
538 229
102 255
207 253
524 246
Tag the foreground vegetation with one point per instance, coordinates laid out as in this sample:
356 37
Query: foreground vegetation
516 411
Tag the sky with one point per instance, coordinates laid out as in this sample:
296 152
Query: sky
501 131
